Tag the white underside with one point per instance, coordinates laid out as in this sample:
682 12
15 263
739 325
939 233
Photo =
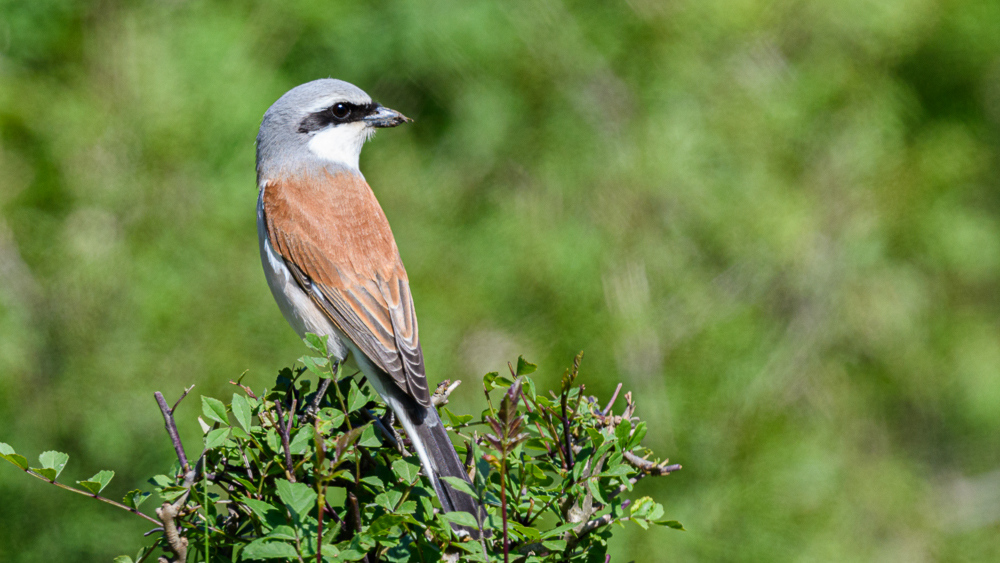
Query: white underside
341 143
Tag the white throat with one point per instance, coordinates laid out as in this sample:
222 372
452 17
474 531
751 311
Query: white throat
341 143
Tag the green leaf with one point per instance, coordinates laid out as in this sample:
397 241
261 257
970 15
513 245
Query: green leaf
384 523
642 506
369 437
374 482
242 411
8 453
134 498
670 524
97 483
216 438
405 469
317 343
170 494
46 472
527 533
300 443
595 489
299 498
488 380
555 545
54 460
461 518
122 559
558 530
282 533
622 432
160 481
263 548
316 365
524 367
454 419
259 507
460 484
388 499
355 398
214 409
637 436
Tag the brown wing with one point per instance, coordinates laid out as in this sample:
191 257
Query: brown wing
334 237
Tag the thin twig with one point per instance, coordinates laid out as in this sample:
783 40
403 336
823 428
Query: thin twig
320 393
91 495
607 409
168 420
650 467
283 432
184 394
565 425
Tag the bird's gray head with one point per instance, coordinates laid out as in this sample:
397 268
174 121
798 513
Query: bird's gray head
323 122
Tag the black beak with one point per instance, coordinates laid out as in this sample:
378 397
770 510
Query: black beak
385 117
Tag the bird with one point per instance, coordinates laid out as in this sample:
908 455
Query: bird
333 266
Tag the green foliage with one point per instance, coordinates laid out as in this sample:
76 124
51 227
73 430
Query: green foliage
776 222
553 481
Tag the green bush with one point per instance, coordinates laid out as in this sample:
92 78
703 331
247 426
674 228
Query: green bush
551 468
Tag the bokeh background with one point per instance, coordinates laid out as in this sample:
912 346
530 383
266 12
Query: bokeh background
777 222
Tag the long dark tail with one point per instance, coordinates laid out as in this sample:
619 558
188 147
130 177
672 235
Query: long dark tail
439 459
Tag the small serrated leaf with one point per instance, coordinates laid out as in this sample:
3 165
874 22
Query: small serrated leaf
355 398
460 484
242 411
488 380
671 524
317 343
97 483
214 409
46 472
460 518
555 545
369 438
263 548
454 419
259 507
405 469
524 367
122 559
216 438
317 366
54 460
384 523
299 498
300 443
7 452
135 498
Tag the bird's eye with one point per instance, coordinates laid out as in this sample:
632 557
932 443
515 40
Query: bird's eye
340 111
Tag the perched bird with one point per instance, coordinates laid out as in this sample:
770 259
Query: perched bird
332 264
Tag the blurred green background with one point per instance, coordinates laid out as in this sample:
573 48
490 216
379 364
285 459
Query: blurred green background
778 223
